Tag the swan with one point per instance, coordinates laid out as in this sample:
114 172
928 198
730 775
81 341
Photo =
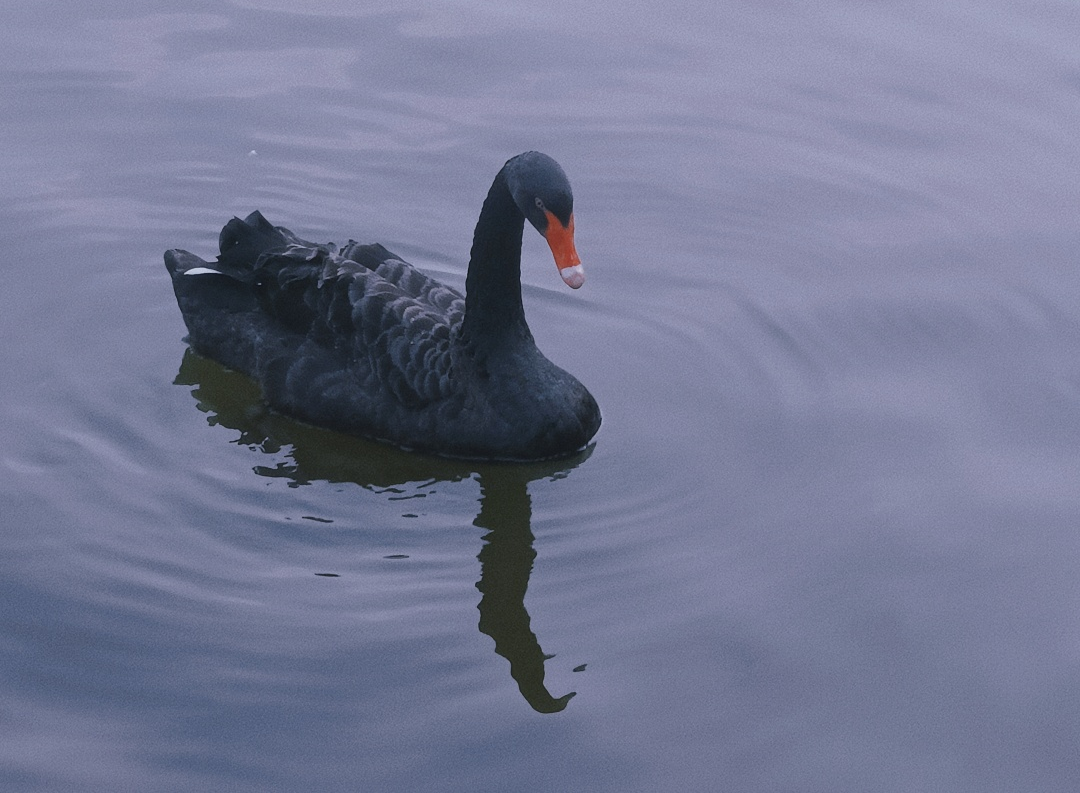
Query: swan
357 340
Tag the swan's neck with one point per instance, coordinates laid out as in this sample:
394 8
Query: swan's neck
493 311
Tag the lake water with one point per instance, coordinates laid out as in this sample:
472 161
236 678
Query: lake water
828 538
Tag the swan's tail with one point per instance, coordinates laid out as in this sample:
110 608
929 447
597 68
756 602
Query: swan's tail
241 244
204 289
219 299
228 282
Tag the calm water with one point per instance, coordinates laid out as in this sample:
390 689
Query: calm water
828 538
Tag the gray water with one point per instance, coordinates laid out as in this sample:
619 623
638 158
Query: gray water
828 538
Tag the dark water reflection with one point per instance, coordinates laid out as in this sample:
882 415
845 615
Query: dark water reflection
505 564
506 559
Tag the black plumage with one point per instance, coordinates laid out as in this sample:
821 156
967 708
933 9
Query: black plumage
358 340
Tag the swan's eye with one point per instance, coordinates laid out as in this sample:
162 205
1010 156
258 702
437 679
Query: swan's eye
539 203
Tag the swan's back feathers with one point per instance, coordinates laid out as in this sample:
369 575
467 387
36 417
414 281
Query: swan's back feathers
385 317
407 278
365 306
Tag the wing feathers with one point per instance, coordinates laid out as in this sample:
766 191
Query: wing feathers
372 308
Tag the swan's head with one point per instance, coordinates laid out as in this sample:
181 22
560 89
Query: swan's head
542 193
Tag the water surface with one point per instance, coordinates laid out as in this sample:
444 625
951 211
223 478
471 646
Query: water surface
825 540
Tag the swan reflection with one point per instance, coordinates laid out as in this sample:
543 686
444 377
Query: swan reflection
310 454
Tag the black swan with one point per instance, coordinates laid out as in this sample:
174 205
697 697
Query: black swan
359 341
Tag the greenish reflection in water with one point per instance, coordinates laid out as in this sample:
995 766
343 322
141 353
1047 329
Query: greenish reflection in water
312 454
